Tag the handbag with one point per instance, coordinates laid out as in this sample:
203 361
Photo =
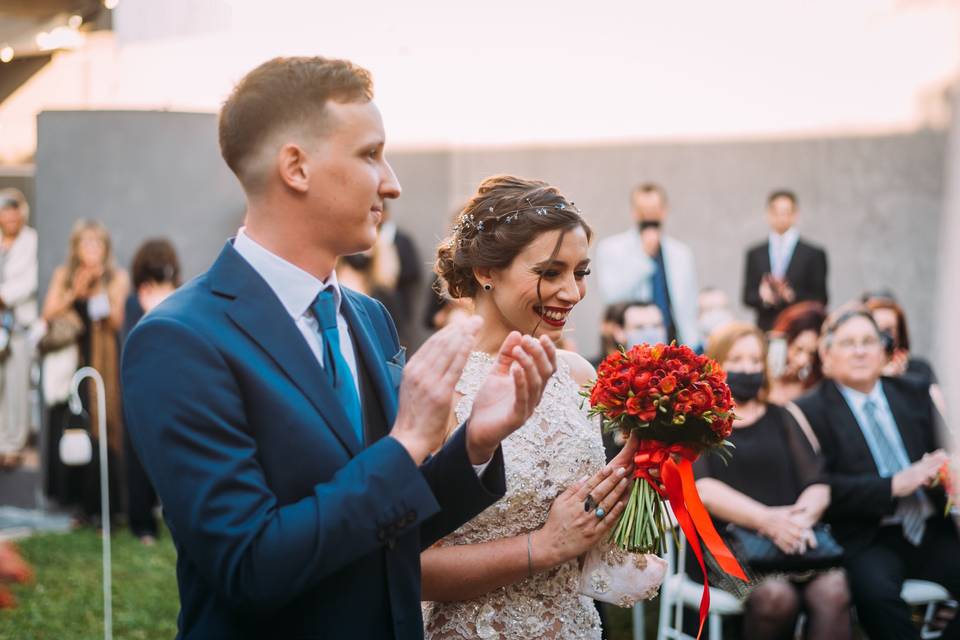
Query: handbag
610 574
763 556
62 331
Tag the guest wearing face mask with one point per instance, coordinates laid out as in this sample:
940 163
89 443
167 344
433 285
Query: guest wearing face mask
643 323
783 507
627 325
643 263
714 311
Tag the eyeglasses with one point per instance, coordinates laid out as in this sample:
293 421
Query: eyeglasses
868 343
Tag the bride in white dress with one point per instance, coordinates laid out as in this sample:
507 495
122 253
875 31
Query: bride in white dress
519 251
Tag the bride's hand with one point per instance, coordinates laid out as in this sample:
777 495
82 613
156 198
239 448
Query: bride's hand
570 530
625 457
509 393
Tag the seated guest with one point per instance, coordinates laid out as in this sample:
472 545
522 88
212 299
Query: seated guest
892 321
611 331
798 327
714 310
881 458
643 324
784 506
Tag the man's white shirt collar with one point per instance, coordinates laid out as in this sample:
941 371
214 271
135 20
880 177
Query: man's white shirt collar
788 239
295 288
858 398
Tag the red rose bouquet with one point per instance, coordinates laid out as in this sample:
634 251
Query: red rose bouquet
679 405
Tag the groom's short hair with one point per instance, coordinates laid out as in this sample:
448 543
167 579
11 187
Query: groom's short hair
281 93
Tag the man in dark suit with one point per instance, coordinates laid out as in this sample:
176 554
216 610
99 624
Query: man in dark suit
881 459
299 485
784 269
400 300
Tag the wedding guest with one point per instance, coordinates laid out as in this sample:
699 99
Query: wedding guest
643 324
520 253
409 274
769 444
892 321
442 310
643 263
156 274
881 456
91 287
18 310
714 311
797 329
611 332
785 269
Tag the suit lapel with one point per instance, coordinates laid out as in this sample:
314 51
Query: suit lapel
846 426
765 266
257 311
795 266
373 359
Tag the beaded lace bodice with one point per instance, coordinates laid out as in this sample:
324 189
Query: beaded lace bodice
557 446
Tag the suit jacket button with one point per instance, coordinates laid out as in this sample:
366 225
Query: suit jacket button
411 517
381 534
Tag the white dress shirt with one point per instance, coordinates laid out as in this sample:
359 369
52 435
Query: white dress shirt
297 290
781 250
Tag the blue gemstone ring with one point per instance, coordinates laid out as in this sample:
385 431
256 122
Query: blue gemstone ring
600 513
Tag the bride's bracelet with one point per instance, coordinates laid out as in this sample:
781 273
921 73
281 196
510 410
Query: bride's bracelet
529 556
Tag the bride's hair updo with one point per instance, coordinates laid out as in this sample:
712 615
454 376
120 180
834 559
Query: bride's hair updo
504 216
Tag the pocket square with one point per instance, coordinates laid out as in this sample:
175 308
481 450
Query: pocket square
395 366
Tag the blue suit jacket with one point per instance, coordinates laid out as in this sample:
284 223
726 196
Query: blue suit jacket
285 526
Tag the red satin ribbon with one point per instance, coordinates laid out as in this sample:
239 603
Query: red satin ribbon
679 486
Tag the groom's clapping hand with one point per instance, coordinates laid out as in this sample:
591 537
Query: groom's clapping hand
510 393
426 392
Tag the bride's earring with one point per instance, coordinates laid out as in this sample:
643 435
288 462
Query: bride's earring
487 286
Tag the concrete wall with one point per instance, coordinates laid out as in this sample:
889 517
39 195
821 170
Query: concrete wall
143 174
873 201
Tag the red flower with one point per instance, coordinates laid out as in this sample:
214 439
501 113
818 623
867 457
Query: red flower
668 384
682 384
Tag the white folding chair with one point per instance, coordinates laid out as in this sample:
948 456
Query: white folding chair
921 593
680 591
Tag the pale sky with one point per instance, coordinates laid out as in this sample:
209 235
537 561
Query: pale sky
540 71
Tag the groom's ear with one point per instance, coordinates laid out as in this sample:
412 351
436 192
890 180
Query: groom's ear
293 167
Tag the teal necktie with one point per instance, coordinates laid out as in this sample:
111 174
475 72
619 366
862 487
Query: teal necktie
913 509
334 365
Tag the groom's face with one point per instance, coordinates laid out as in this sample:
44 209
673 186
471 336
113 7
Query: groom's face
350 178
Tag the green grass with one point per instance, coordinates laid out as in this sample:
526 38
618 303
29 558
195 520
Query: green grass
66 599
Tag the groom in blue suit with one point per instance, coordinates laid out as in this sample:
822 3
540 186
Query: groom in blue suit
300 476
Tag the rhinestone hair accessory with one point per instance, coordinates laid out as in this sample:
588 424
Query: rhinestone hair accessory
467 227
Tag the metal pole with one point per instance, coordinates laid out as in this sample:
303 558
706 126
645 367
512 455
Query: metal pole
79 376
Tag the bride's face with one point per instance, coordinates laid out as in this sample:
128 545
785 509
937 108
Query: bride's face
562 283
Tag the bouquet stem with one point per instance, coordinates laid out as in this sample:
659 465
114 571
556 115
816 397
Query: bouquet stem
644 520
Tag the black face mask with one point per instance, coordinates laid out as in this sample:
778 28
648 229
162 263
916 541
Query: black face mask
649 224
744 386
